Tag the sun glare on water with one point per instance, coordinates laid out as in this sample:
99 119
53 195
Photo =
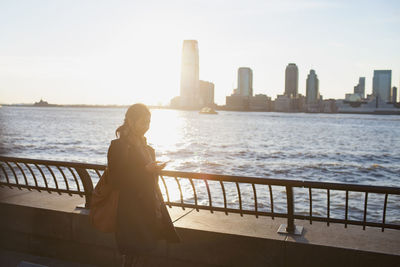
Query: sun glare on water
166 134
165 130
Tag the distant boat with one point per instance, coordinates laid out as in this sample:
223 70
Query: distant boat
42 103
207 110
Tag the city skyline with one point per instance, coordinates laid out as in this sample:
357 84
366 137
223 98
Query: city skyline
119 53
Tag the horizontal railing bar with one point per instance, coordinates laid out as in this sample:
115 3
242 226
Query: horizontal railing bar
234 179
54 163
284 182
353 187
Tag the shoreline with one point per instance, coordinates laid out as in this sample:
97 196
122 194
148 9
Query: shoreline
219 108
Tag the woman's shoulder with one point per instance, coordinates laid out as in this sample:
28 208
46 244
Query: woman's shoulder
116 142
122 145
118 145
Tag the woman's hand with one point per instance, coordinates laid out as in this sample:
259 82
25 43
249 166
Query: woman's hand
155 166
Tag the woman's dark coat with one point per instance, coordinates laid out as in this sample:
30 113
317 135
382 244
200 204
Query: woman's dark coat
137 230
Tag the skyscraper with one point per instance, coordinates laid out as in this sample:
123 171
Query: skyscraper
312 88
381 84
190 94
206 93
245 82
394 94
360 87
291 80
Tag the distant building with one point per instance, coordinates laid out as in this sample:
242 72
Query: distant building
353 97
312 88
360 87
240 98
245 81
260 102
370 105
291 80
176 102
282 103
394 94
329 106
285 103
206 94
189 92
381 85
299 103
237 102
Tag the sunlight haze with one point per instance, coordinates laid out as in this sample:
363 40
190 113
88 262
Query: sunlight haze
121 52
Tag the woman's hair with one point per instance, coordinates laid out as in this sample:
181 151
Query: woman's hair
134 112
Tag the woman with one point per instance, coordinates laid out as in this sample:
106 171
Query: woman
142 218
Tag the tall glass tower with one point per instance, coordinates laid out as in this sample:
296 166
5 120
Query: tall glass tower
245 81
394 94
291 80
381 84
312 88
190 92
360 87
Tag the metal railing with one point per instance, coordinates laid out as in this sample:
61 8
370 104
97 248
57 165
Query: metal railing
77 178
51 176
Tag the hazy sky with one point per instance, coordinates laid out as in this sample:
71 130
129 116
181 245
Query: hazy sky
121 52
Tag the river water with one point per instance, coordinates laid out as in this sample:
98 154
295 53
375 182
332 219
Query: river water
344 148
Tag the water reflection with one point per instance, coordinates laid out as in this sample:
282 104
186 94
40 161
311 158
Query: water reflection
318 147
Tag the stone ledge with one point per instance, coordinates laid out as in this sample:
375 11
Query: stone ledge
51 225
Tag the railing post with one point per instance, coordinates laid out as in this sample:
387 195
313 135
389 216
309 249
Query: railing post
87 185
290 228
290 210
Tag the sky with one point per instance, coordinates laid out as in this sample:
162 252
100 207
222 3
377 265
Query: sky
123 52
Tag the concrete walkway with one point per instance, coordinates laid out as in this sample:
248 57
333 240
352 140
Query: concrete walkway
233 237
13 258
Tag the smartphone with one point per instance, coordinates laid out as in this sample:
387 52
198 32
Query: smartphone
164 162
